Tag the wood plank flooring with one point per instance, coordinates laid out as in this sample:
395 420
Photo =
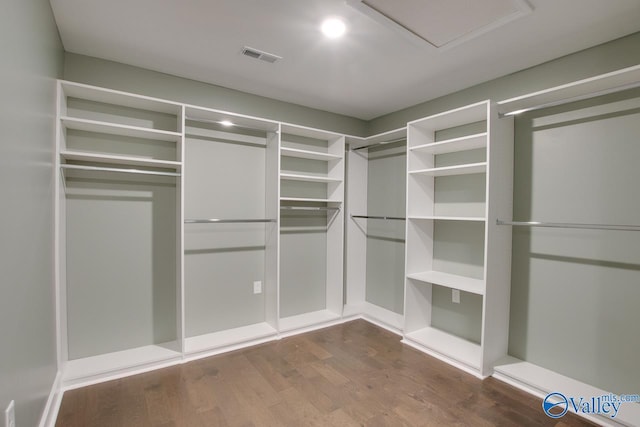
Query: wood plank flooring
354 374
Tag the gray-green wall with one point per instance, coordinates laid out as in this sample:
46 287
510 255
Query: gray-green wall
114 75
31 61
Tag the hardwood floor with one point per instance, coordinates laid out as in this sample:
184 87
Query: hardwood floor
354 374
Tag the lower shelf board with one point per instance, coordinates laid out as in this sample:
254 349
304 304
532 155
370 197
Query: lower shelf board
95 367
444 344
383 317
453 281
306 320
229 337
541 381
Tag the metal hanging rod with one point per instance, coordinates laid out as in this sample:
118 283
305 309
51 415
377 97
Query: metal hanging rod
225 221
378 143
310 208
395 218
219 122
570 225
121 170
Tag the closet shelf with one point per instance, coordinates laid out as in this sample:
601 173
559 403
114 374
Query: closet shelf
81 156
453 281
307 154
307 319
304 199
119 129
118 170
121 361
546 381
615 81
453 170
114 97
448 119
447 345
228 337
307 178
464 143
446 218
310 208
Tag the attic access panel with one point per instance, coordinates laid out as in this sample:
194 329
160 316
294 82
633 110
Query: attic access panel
442 23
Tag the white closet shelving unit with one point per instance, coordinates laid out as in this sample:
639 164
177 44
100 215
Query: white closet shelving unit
528 376
357 256
118 227
311 195
230 231
457 186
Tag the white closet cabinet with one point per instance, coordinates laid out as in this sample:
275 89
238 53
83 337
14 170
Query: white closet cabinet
459 182
119 159
376 228
311 227
230 231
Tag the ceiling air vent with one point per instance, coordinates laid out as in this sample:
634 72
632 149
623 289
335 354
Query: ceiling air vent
259 54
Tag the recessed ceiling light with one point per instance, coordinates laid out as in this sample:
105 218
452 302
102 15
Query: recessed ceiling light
333 28
226 123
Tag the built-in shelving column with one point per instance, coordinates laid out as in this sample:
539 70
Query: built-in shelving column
459 179
311 228
376 228
119 158
231 213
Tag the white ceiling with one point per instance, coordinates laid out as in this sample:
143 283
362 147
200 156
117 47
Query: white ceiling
371 71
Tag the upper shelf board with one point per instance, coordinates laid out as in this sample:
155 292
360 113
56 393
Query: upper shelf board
473 113
114 97
465 169
615 81
308 154
464 143
119 129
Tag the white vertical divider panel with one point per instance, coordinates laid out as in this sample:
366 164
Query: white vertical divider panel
418 235
59 236
335 232
495 324
356 255
272 233
180 298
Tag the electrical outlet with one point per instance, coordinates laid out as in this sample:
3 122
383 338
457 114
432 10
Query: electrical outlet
10 415
455 296
257 287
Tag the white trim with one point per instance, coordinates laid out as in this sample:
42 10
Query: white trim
202 354
51 408
445 359
540 381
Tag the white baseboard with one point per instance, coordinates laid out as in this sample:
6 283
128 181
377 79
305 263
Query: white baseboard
50 413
